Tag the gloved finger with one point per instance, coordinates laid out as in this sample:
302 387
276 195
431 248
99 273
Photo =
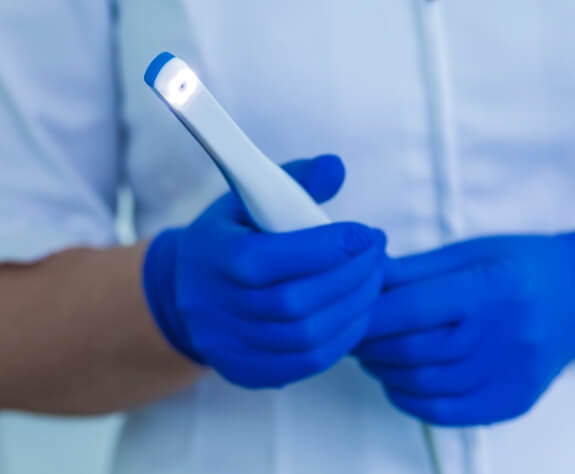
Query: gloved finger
306 334
480 407
436 346
401 271
300 298
429 304
441 411
267 370
452 379
264 259
321 177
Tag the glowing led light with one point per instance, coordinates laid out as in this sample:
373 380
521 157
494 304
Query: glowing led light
181 88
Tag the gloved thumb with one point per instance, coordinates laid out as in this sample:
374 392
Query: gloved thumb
321 177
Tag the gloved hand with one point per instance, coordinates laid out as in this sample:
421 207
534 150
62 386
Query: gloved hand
475 332
262 309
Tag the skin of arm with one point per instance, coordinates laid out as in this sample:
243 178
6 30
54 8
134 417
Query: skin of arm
76 336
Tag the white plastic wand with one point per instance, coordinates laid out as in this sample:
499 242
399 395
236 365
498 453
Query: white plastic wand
274 200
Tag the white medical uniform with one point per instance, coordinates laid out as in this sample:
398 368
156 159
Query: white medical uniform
454 118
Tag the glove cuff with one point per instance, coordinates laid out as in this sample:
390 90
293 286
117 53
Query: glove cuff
158 279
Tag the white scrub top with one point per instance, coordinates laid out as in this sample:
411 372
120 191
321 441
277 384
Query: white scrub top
454 119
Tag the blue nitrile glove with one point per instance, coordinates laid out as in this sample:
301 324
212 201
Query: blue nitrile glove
263 309
475 332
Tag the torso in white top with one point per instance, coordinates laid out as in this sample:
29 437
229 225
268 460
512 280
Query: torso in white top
361 79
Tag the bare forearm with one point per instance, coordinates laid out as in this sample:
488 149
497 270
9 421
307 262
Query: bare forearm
76 336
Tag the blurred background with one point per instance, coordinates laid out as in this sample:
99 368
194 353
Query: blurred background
39 445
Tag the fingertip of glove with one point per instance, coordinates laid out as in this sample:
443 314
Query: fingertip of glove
357 238
325 177
330 163
332 166
380 237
